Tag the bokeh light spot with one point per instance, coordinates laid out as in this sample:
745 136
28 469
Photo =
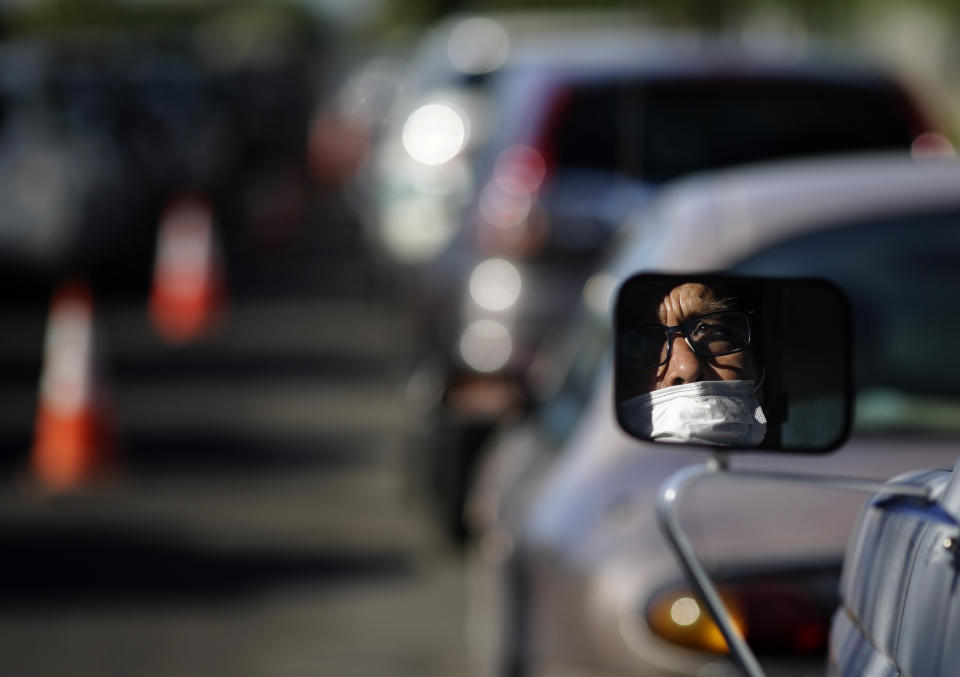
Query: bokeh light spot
486 345
434 134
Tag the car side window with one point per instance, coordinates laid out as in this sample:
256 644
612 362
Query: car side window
561 408
901 277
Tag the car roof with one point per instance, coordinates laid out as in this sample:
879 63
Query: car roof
708 221
657 53
588 38
583 43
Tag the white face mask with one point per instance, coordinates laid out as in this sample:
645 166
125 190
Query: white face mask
724 413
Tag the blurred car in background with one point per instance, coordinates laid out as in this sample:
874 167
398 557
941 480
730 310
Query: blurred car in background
572 132
102 127
570 574
443 111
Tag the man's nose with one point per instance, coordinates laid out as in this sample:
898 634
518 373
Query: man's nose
684 365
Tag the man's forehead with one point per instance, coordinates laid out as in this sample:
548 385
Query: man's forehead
688 300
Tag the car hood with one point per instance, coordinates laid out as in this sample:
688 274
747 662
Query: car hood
598 500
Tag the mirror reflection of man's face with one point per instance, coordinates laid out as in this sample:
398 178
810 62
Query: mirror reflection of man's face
685 302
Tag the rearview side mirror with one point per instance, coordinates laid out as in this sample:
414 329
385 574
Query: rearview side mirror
736 362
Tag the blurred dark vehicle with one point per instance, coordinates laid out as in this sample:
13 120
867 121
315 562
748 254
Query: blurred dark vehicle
570 574
100 128
588 125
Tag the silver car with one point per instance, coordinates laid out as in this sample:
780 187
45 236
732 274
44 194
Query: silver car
571 575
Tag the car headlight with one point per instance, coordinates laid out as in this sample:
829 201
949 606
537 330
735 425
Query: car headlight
775 614
678 616
495 284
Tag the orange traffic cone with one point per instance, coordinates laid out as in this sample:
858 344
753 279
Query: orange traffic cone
73 440
188 288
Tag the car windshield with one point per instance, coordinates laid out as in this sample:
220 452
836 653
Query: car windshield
574 364
662 129
902 278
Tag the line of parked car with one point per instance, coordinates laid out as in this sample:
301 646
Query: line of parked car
512 195
538 161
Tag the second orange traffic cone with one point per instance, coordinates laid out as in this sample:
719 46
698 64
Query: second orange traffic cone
188 287
73 440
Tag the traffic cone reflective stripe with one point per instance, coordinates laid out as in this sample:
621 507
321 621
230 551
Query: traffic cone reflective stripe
187 286
72 441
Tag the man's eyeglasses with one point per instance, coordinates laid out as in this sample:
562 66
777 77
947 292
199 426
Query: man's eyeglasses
711 335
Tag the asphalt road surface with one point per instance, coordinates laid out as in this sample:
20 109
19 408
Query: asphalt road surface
258 521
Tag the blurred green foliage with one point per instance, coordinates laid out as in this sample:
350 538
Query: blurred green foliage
823 16
917 38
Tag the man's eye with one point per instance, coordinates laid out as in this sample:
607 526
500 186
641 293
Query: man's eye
704 330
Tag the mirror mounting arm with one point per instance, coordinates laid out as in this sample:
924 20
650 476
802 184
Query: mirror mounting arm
719 464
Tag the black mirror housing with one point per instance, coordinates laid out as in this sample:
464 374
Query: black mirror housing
729 361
